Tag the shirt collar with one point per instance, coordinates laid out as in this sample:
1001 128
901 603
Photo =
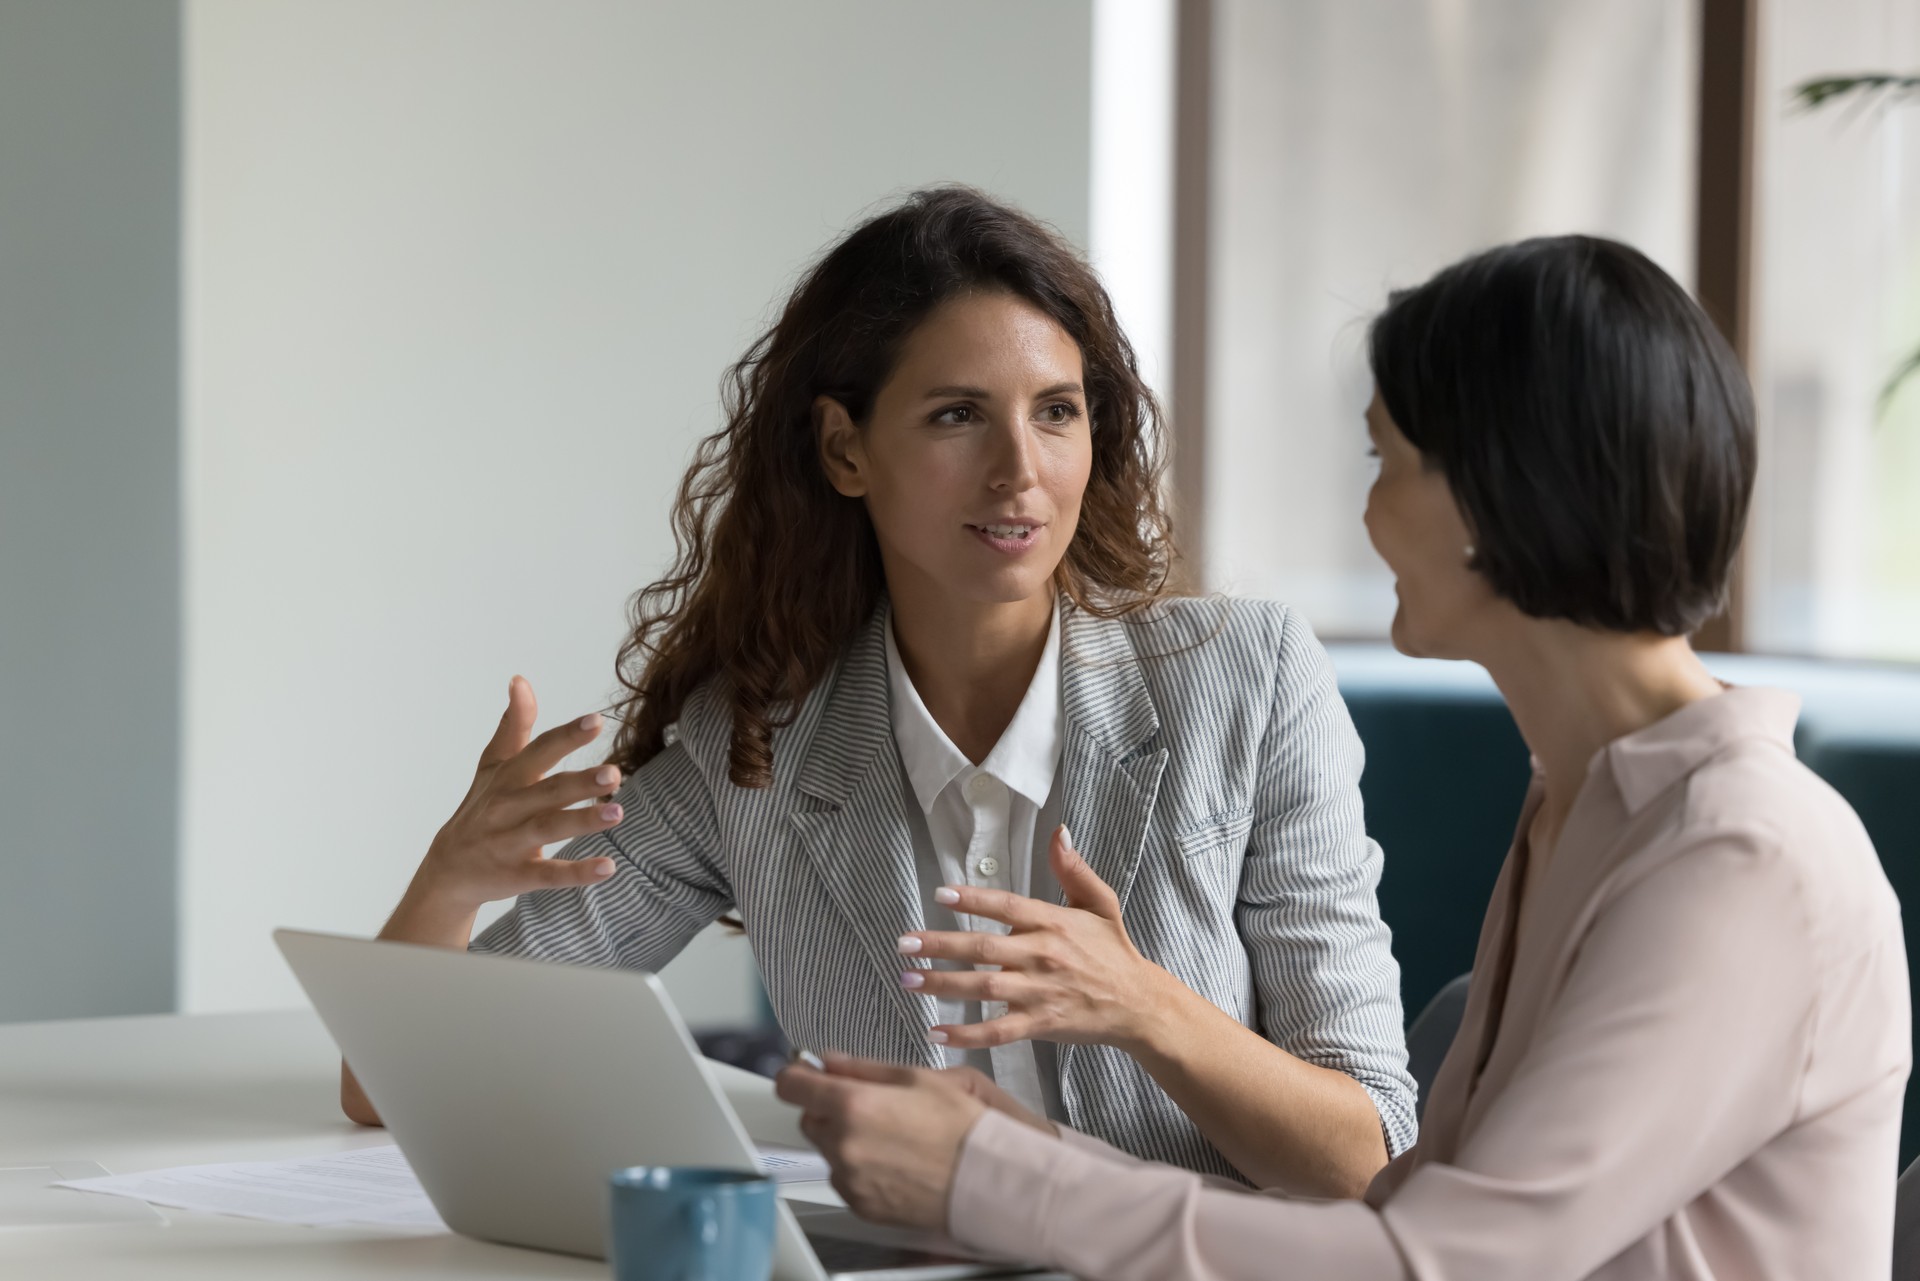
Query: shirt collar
1649 761
1028 754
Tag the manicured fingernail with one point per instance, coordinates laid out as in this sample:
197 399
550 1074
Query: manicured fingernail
912 978
907 945
1066 837
603 870
937 1037
610 813
590 721
946 894
606 774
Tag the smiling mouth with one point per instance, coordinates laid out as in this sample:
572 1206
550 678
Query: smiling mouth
1008 536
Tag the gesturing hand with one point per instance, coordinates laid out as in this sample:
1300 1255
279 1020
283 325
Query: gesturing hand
1066 973
490 848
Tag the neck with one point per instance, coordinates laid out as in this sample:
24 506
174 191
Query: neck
1573 690
971 663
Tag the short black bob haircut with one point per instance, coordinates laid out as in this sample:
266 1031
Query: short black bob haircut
1594 427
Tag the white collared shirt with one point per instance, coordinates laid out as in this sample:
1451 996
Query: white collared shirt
987 825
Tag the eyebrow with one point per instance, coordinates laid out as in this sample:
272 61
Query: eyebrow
981 393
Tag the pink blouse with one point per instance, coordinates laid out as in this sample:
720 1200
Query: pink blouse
1689 1064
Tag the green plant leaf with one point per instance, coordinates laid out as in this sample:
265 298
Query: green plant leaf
1811 94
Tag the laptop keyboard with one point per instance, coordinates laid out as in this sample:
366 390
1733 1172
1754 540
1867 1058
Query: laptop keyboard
843 1254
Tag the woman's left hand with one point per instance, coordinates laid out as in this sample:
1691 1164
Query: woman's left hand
1066 973
892 1134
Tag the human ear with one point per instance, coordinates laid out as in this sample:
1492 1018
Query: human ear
842 451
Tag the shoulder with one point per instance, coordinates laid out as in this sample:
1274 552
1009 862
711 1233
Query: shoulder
1231 645
1756 793
1758 796
1229 679
705 727
704 731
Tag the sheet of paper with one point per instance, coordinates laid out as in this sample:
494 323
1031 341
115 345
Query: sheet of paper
30 1197
364 1187
367 1186
792 1165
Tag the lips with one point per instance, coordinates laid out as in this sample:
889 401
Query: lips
1008 536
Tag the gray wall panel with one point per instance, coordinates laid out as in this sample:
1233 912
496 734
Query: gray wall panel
89 506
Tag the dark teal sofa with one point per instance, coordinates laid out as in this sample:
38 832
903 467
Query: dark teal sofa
1446 771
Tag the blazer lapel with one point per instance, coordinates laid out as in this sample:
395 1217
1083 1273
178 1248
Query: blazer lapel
1110 781
851 820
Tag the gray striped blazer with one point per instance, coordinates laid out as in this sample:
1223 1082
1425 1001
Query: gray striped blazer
1211 777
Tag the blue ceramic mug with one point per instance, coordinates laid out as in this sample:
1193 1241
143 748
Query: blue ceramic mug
687 1223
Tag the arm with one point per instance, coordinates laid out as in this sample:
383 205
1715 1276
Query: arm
1019 1195
1072 974
665 888
1326 1099
642 850
912 1147
1690 1012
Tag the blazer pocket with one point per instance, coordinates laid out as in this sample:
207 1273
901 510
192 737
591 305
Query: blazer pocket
1211 834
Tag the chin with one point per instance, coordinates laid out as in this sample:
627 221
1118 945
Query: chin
1005 584
1415 641
1401 634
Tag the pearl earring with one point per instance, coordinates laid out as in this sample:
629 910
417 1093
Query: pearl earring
1469 553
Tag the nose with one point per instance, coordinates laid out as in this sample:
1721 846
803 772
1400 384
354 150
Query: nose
1013 467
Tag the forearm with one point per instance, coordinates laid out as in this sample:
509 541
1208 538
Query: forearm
427 917
1283 1123
1020 1195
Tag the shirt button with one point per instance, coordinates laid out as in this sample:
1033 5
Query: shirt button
980 786
987 866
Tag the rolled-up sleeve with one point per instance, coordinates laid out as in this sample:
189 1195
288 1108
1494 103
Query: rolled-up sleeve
1609 1126
1327 984
667 884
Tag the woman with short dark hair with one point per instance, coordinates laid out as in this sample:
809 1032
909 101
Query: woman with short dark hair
1688 1031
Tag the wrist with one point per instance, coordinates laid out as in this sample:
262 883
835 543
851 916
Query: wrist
433 910
1160 1018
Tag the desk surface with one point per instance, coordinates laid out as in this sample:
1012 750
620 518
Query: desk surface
143 1093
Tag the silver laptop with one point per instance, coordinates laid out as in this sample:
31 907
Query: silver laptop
514 1087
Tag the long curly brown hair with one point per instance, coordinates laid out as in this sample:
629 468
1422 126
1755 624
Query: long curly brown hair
776 571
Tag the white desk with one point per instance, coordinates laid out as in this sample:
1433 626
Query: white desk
142 1093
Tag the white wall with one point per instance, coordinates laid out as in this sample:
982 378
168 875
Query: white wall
461 278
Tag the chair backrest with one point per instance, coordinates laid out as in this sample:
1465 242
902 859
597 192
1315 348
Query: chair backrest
1906 1225
1431 1036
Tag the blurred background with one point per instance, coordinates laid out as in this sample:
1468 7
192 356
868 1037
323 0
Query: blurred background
350 351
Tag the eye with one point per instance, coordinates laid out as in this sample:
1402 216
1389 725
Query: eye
1061 413
955 415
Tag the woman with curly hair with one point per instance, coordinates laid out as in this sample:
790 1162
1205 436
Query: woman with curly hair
920 629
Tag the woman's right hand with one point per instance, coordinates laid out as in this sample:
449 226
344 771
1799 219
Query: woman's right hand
490 848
